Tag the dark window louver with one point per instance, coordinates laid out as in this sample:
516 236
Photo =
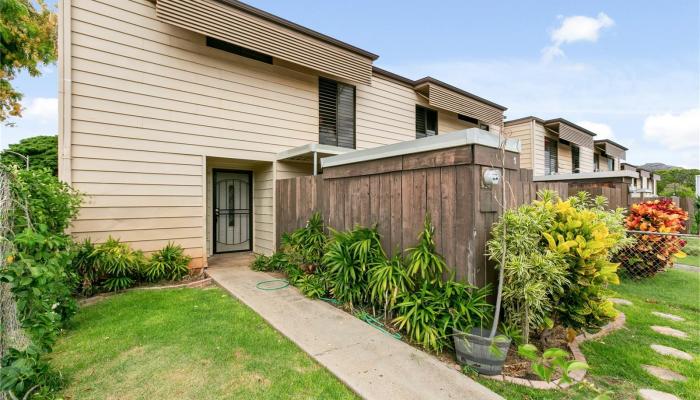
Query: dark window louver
238 50
575 159
336 113
550 156
426 122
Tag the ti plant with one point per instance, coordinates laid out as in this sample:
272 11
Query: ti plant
387 279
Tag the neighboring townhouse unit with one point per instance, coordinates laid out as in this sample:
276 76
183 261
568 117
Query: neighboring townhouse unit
178 116
609 155
645 184
552 147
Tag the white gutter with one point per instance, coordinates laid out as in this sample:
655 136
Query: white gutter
445 141
586 175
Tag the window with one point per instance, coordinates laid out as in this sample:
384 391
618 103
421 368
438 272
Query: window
336 113
241 51
484 127
611 164
596 162
550 156
426 122
575 159
468 119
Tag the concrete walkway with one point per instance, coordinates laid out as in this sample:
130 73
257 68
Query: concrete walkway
374 365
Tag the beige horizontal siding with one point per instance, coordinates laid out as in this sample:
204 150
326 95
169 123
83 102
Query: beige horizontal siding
523 132
564 159
235 26
538 147
586 159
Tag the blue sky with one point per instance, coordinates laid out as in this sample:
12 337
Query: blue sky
628 70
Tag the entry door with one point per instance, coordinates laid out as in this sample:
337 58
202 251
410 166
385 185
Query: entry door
233 211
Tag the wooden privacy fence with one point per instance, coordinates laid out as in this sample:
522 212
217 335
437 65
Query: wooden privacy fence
396 193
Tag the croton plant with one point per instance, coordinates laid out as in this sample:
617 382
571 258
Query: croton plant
654 252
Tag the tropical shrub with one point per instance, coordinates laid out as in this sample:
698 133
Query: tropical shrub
587 236
388 279
36 272
429 313
424 263
653 252
170 263
307 244
118 266
533 275
349 255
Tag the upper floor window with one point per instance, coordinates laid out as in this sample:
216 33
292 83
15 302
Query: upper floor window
575 159
611 164
426 122
336 113
596 162
550 156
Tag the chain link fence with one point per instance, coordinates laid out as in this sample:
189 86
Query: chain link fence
649 253
11 333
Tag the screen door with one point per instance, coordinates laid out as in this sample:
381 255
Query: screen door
233 211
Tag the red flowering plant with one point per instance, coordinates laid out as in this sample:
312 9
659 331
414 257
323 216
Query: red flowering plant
657 250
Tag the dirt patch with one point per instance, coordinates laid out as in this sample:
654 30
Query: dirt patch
240 354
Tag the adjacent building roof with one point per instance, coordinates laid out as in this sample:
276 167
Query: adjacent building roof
550 121
608 141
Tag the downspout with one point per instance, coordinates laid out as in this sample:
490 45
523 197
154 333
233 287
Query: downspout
65 130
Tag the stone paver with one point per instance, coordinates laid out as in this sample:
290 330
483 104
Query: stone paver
621 302
668 331
670 351
669 316
374 365
651 394
664 374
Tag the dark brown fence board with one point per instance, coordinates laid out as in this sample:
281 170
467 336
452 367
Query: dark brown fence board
448 205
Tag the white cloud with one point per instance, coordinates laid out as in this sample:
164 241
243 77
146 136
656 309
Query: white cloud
578 28
602 131
676 132
42 109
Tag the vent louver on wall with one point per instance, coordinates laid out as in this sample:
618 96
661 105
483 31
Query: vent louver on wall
230 22
575 136
448 100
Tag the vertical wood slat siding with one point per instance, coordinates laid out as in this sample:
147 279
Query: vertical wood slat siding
232 25
461 212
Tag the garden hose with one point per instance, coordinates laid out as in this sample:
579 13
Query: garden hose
329 300
262 284
376 324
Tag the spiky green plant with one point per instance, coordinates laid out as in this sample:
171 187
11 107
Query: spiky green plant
387 280
424 262
170 263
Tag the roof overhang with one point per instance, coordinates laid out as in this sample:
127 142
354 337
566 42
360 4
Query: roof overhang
444 141
586 176
611 148
246 26
306 152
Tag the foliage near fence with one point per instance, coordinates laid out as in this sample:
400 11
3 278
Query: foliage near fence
35 273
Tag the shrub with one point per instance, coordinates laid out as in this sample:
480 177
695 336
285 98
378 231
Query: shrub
557 265
587 236
428 314
653 253
424 262
36 271
387 280
307 244
83 268
348 257
118 266
170 263
533 275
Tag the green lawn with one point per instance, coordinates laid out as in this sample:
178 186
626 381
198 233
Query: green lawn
184 344
692 248
616 359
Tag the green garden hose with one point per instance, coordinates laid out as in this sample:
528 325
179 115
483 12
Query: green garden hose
376 324
262 284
